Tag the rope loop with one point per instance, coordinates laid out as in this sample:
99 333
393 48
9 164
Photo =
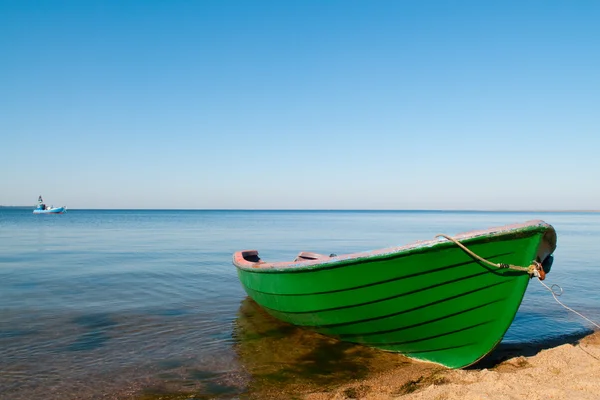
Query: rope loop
557 294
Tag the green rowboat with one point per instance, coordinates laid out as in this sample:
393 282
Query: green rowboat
431 300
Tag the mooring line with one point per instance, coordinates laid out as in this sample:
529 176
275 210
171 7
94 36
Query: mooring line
568 308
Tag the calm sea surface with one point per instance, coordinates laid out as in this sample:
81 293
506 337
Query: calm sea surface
147 304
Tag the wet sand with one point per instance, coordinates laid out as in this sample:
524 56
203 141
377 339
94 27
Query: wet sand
567 371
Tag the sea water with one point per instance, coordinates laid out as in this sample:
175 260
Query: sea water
142 303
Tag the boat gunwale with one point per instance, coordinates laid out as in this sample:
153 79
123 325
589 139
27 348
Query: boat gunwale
420 246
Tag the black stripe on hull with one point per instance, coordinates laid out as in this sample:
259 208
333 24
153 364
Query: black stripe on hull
437 285
488 269
402 328
466 328
440 349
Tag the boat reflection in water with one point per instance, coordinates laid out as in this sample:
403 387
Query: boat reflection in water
281 359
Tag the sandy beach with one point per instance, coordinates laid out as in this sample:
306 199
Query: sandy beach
567 371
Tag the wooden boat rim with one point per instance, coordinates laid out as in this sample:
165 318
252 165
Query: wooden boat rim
250 260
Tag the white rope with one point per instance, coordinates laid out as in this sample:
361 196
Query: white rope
568 308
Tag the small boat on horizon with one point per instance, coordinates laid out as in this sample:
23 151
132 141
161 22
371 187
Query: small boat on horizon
448 300
42 208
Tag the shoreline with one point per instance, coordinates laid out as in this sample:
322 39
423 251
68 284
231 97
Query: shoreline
563 370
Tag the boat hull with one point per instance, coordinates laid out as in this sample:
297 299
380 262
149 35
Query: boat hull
430 301
57 210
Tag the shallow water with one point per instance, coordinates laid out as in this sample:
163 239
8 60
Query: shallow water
140 304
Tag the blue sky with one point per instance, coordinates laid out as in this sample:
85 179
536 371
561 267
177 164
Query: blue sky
300 104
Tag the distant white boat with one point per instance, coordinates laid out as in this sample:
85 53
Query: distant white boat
44 209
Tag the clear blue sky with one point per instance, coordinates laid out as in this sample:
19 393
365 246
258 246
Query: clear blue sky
300 104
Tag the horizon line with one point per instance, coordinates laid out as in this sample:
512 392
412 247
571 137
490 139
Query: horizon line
328 209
